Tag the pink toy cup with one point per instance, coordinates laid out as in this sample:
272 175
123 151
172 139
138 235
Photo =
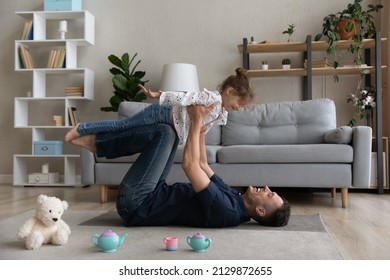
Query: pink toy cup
171 243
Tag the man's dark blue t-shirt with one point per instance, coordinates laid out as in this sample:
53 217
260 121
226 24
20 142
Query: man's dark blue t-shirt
218 205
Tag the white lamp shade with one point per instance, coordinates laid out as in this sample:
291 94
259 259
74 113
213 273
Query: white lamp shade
179 77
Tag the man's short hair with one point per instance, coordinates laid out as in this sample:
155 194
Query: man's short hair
279 218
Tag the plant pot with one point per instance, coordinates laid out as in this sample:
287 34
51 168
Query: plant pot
264 66
342 24
286 66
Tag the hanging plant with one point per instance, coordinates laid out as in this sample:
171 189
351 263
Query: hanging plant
354 22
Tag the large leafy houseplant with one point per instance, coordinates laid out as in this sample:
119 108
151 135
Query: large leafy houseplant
359 25
125 81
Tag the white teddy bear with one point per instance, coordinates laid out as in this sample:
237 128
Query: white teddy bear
47 226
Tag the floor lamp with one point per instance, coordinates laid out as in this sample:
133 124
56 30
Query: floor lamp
179 77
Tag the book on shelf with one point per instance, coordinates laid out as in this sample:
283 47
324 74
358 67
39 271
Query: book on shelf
74 90
56 58
25 57
74 116
77 117
71 113
319 63
50 61
28 30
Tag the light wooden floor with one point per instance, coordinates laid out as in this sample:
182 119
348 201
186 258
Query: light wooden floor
360 232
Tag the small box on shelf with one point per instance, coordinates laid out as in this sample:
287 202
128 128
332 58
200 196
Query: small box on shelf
63 5
43 178
47 147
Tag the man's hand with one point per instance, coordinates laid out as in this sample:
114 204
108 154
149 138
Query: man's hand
198 112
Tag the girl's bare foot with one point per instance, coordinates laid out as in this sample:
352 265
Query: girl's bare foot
72 134
86 141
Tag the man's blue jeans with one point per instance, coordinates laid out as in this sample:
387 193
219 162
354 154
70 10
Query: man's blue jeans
154 113
157 144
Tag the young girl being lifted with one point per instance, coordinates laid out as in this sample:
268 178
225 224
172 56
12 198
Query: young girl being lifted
233 93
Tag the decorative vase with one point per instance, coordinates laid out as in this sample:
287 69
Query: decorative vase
341 25
369 114
264 66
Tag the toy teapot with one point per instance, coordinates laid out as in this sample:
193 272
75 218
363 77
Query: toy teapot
108 241
198 242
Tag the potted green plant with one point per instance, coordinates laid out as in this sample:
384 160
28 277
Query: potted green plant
264 65
252 40
353 23
289 31
286 63
125 82
364 102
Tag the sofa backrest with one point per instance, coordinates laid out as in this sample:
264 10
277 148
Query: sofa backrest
295 122
127 108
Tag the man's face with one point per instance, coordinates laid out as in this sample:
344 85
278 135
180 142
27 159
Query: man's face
264 197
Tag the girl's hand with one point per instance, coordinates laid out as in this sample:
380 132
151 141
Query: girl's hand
148 92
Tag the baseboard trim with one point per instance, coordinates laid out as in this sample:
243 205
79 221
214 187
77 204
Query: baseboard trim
6 178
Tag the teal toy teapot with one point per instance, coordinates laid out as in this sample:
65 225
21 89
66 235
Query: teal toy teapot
198 242
108 241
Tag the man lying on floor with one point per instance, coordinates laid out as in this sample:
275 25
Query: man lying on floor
144 198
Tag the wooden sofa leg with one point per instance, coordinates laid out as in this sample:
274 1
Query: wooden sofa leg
344 197
333 192
103 193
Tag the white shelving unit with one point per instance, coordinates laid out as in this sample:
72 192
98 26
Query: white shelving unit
34 111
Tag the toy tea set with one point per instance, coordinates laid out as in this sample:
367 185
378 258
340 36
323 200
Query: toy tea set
109 241
47 226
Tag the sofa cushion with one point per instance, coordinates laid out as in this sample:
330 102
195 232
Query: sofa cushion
295 122
311 153
211 152
340 135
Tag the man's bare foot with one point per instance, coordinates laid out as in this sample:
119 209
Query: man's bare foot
72 134
86 141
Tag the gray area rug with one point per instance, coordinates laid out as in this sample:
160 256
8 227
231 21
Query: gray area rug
305 238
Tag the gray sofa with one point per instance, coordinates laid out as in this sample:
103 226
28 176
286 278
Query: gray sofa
284 144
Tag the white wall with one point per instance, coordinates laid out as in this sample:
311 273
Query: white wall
202 32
